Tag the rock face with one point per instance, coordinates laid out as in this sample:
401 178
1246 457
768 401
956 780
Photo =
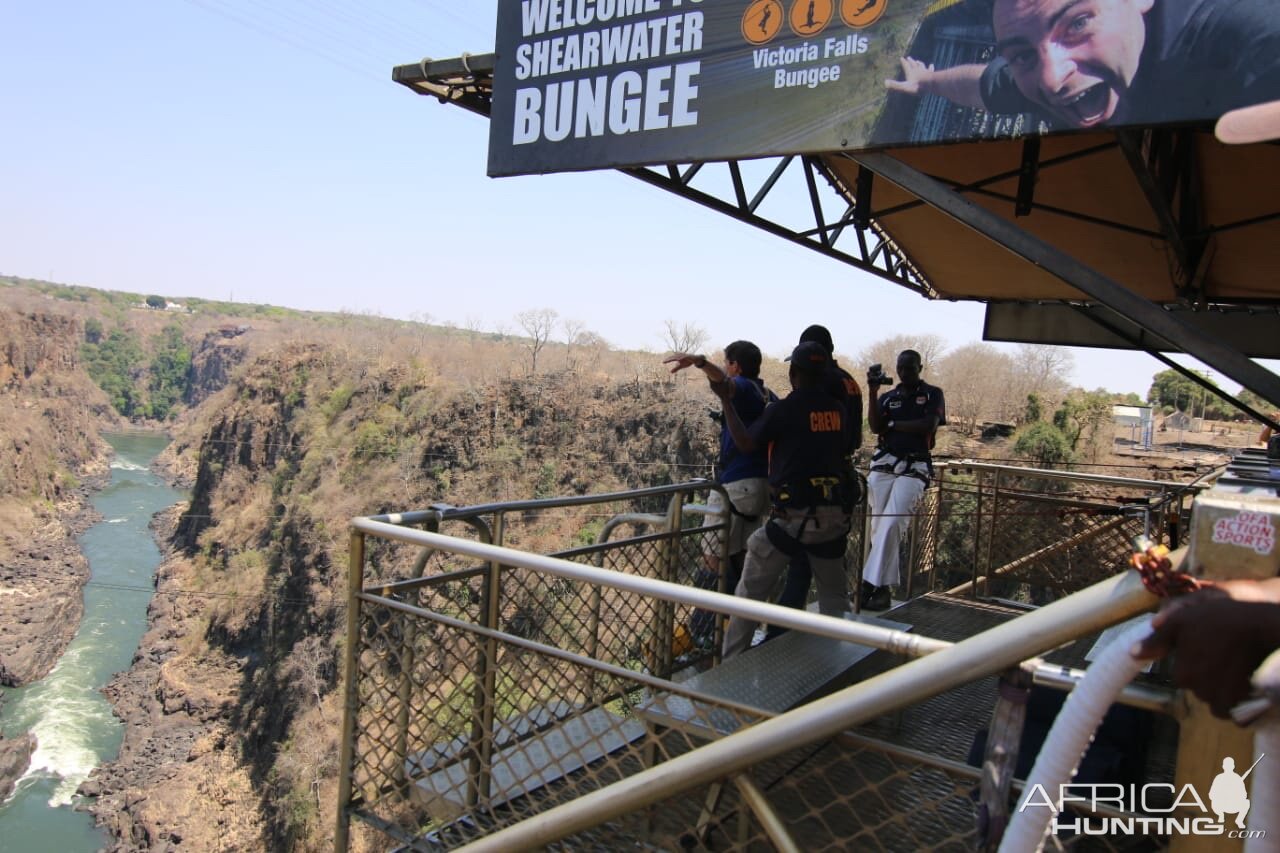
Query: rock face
178 779
42 594
51 458
231 705
212 362
15 756
37 342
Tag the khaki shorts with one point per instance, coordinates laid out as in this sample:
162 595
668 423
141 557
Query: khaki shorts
749 497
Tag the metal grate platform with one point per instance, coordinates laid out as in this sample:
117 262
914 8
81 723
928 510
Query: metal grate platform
946 725
772 678
526 765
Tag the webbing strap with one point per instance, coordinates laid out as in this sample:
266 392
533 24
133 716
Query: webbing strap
792 546
782 540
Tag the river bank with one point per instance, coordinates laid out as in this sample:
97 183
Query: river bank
173 782
42 578
177 780
75 729
42 583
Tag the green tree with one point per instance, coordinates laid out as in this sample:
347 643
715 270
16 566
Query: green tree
1032 413
1043 443
155 302
1254 402
112 364
957 528
170 370
1171 389
1082 415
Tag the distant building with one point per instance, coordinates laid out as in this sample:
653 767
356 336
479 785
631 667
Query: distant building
1183 421
1137 420
153 303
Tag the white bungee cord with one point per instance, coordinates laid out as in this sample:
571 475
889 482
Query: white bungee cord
1071 734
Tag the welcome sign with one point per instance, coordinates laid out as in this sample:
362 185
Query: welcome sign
589 84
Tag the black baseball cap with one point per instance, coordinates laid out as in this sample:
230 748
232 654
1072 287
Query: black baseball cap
810 356
819 335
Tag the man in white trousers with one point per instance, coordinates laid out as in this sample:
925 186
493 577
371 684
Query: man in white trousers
906 419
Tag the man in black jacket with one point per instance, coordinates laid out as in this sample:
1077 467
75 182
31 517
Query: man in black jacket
807 434
906 419
839 383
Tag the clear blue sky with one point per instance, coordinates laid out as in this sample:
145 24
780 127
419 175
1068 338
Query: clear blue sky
258 151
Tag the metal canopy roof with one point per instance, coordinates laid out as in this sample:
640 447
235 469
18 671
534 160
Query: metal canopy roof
1162 239
1174 214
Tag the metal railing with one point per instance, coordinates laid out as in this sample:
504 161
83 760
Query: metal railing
1032 534
487 685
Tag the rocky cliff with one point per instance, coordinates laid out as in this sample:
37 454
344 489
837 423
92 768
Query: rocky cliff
230 704
213 361
52 457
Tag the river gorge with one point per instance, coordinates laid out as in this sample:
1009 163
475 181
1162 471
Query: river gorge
72 721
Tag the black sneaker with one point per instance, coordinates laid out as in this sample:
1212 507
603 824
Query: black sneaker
875 597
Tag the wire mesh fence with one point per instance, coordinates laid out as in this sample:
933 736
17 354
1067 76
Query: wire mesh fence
1031 535
481 694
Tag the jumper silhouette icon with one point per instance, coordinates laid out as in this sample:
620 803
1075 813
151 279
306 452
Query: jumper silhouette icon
808 21
764 19
1227 793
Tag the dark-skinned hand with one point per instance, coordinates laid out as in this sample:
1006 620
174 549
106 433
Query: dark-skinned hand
1218 636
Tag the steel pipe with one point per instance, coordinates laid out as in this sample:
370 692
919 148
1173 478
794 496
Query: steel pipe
1095 608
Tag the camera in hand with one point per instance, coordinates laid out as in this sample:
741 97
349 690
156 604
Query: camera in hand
877 376
716 415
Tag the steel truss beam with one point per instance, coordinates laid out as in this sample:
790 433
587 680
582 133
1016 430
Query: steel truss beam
1168 173
1094 314
1181 335
873 251
1163 163
468 82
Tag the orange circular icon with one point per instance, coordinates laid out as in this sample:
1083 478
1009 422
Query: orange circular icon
761 21
861 13
811 16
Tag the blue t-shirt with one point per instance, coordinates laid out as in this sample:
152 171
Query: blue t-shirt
749 399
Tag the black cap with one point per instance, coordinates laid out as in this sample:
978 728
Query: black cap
818 335
809 356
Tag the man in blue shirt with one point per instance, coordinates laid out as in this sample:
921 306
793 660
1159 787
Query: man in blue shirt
906 419
744 475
